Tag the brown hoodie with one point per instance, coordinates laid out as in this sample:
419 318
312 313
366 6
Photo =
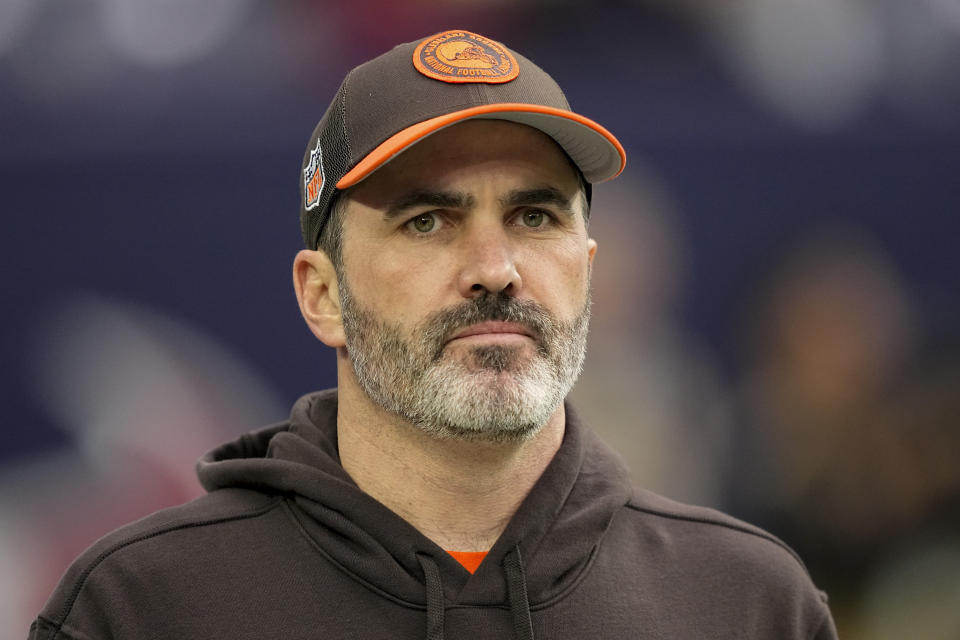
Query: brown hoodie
285 545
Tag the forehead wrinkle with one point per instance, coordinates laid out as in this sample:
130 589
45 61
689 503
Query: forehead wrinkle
429 198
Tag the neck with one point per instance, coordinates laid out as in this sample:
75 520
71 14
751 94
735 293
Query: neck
459 493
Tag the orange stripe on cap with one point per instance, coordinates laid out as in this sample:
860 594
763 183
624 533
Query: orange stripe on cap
402 140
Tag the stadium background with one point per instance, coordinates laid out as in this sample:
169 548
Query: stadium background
777 326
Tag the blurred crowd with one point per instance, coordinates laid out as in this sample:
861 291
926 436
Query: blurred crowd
847 437
776 326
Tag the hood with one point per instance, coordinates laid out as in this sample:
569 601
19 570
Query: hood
556 529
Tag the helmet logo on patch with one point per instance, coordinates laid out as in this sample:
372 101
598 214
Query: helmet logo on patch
313 178
462 56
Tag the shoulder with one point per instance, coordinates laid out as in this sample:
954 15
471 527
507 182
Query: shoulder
711 566
211 511
688 540
671 517
720 549
703 531
156 551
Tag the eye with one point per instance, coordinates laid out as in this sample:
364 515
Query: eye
533 218
423 223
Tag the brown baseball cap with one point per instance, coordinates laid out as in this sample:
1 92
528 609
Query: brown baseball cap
390 103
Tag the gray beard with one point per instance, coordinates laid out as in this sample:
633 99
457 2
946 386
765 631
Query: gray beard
493 393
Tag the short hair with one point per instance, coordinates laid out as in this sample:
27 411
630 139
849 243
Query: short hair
331 235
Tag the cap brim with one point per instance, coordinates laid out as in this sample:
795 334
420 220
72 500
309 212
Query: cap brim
597 153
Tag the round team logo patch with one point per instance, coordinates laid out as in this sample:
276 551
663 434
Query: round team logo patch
462 56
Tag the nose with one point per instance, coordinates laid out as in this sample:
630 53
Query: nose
489 264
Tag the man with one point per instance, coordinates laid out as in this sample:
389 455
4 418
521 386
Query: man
444 489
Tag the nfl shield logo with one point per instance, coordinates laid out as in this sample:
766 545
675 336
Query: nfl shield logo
313 178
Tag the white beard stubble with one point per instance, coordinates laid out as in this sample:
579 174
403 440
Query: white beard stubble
494 393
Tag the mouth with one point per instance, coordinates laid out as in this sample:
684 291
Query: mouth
495 332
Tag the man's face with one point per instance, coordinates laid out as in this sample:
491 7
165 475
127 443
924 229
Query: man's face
464 288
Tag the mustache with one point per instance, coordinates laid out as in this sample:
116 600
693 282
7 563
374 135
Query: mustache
439 327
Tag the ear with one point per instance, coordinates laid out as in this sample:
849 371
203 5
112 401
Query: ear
315 281
591 250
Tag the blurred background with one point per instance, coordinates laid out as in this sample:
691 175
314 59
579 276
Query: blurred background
776 329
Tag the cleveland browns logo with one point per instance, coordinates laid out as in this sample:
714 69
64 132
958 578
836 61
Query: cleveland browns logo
462 56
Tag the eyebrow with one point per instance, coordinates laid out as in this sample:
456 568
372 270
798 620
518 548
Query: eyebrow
421 197
458 200
540 195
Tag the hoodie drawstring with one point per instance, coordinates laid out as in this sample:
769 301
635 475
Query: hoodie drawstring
517 593
434 597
